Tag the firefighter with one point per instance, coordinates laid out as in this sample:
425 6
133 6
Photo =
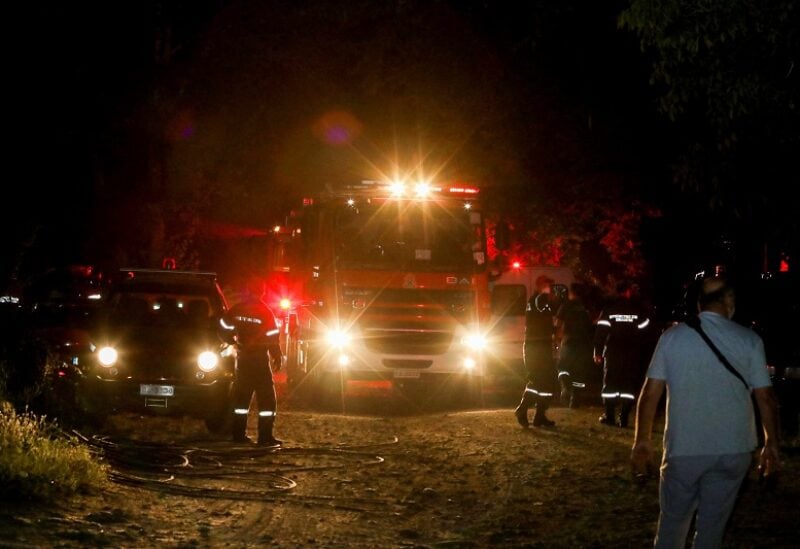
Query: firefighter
259 355
538 356
573 334
620 345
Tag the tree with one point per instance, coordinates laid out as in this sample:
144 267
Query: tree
725 71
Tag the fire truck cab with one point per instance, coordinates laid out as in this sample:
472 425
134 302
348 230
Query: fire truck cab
395 288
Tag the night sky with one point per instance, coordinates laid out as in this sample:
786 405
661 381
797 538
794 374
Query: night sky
148 121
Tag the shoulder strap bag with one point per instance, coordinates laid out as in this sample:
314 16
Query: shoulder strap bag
694 322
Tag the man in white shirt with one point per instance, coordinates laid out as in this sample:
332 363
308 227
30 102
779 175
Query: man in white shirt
710 431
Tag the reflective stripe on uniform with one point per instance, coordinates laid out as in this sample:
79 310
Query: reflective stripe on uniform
240 411
623 318
273 332
644 324
266 413
248 319
627 396
604 323
540 393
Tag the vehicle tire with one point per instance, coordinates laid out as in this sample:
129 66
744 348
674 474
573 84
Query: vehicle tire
329 391
473 391
94 421
220 424
294 371
89 413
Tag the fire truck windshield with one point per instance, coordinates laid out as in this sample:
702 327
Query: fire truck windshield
419 236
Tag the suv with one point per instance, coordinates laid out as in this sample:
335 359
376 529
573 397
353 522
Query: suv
160 346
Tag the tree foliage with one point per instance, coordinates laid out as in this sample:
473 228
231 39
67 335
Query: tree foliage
725 71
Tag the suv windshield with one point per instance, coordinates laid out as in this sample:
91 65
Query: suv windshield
409 235
159 309
173 300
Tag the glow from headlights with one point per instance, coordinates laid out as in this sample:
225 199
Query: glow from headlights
343 360
422 189
475 342
286 304
337 338
397 188
207 361
228 350
469 363
107 356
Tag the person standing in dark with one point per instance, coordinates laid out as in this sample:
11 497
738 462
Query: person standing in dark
538 356
710 428
259 355
573 333
621 342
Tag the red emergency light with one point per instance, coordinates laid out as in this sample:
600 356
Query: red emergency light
464 190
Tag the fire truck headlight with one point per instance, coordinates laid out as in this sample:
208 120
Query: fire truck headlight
397 188
476 342
422 190
107 356
337 338
343 360
469 363
207 361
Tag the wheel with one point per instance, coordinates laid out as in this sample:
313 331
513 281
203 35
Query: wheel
89 413
220 424
329 391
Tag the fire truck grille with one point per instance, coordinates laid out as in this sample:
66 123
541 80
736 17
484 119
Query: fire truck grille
421 304
408 343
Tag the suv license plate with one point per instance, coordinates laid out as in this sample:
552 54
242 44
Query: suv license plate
157 390
407 374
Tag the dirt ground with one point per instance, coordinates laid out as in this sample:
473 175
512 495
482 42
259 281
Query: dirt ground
443 478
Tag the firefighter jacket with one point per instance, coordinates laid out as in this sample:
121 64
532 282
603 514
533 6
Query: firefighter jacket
621 328
573 322
538 319
622 338
256 329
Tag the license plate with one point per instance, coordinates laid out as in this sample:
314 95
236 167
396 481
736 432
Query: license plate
157 390
407 374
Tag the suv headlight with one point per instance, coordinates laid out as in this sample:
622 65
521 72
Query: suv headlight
207 360
107 356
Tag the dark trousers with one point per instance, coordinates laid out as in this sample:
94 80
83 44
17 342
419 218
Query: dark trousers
253 375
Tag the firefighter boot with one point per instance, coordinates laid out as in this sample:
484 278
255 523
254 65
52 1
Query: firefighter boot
522 410
625 410
239 427
539 417
575 399
608 417
566 388
265 437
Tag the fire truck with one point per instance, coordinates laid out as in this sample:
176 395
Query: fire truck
394 289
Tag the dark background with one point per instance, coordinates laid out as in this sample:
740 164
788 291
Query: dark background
150 129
